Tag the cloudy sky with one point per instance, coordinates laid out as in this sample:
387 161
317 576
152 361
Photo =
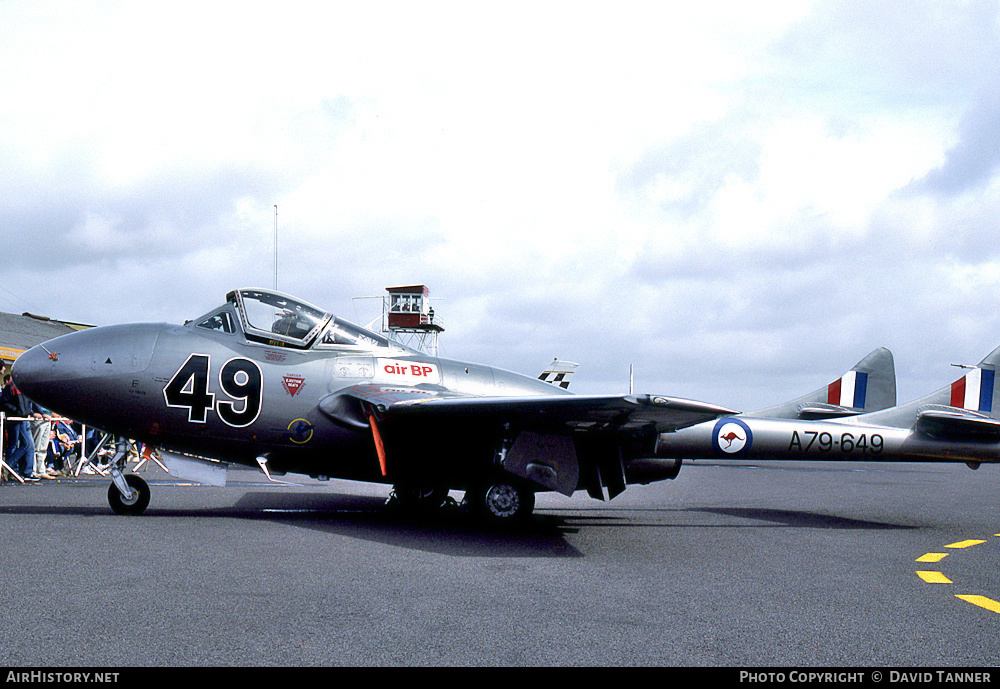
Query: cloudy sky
739 199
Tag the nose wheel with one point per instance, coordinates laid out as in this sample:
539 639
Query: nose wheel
135 501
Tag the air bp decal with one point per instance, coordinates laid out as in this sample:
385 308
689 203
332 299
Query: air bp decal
731 436
406 372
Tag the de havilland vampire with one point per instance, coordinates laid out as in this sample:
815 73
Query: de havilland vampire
957 423
270 381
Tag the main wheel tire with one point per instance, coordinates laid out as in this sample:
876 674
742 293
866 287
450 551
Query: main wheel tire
505 502
140 497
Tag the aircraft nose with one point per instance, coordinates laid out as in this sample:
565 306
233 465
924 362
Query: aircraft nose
73 371
45 372
31 368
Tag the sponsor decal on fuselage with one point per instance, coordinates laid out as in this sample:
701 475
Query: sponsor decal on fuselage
293 384
404 372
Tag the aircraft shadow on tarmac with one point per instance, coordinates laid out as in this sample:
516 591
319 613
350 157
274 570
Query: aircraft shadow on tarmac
447 531
798 519
452 530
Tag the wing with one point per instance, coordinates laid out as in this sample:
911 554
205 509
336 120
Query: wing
348 405
571 411
560 442
559 373
536 411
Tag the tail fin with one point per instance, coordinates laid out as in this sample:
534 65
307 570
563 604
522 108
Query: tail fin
559 373
970 402
869 386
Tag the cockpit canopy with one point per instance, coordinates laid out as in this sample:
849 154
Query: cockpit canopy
276 316
279 320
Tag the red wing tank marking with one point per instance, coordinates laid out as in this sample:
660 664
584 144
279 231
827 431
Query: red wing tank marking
379 445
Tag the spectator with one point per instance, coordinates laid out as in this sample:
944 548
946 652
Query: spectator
62 448
22 448
41 435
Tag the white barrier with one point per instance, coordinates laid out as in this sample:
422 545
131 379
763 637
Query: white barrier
131 448
3 451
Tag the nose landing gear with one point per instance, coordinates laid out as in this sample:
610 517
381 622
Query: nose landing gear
134 501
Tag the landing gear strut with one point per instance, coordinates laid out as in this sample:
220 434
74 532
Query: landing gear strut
128 494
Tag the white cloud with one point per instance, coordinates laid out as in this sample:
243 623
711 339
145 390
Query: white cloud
716 192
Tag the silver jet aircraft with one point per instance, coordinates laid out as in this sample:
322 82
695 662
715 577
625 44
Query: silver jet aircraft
958 423
267 380
270 381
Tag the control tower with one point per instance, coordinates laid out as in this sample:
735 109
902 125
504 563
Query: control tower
408 318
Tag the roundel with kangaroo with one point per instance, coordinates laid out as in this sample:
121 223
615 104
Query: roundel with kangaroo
732 437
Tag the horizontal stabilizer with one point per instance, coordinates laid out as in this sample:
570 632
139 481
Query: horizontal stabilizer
814 412
952 422
964 406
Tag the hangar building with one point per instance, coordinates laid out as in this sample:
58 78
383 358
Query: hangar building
18 334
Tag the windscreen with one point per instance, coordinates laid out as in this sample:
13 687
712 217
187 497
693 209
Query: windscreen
268 313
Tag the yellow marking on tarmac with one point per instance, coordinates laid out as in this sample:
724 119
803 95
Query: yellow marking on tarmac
964 544
934 577
982 602
932 557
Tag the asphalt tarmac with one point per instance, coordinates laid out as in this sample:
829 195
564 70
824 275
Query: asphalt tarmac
734 565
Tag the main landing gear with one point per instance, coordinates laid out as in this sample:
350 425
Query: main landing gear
502 501
499 501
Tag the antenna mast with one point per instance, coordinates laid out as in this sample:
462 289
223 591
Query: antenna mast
275 247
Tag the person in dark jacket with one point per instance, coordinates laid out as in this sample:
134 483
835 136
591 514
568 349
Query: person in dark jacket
21 455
